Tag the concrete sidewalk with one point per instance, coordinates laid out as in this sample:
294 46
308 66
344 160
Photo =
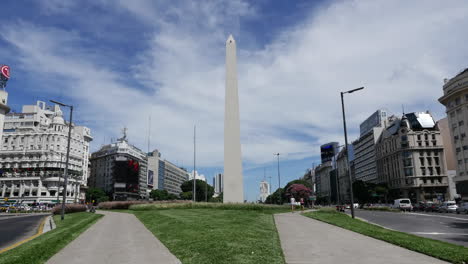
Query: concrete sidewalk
116 238
305 240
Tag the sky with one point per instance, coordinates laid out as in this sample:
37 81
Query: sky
159 66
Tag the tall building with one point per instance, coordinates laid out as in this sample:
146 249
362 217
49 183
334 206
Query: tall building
218 183
328 151
233 181
120 169
33 155
4 109
455 100
364 147
322 181
264 191
410 159
449 154
343 178
164 175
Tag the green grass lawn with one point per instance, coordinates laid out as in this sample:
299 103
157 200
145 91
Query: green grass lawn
43 247
215 235
438 249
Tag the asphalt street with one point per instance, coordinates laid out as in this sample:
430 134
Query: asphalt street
452 228
16 228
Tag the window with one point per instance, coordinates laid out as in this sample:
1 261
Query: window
465 147
429 161
461 123
419 137
452 115
419 144
438 170
421 153
425 136
459 162
6 140
457 101
463 135
457 150
421 160
433 136
408 172
436 160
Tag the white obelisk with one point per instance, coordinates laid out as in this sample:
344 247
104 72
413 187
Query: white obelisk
233 183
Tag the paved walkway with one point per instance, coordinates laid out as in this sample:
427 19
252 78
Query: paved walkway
305 240
115 238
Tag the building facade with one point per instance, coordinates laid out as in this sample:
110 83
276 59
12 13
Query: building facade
120 169
33 155
449 154
169 176
218 184
364 147
343 178
455 100
410 159
322 181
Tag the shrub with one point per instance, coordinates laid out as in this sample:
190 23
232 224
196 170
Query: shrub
191 205
69 208
127 204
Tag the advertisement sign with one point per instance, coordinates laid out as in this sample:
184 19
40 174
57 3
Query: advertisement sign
150 177
5 71
328 151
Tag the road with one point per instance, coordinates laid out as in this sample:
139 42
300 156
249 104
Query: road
16 228
452 228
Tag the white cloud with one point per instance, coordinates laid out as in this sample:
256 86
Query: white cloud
289 90
197 176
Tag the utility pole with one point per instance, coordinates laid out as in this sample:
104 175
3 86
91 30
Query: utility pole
194 165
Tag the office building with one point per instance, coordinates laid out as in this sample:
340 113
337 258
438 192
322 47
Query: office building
328 151
218 184
364 147
164 175
455 100
33 155
120 169
322 181
410 159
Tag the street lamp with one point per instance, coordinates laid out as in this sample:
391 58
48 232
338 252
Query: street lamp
347 150
65 173
279 179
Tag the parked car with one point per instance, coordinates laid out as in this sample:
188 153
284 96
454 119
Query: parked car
448 207
432 207
421 206
403 204
462 208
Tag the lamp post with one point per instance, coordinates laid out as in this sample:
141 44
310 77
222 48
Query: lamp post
346 145
65 173
279 179
194 195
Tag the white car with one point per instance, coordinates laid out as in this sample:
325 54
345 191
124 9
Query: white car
403 204
463 208
448 207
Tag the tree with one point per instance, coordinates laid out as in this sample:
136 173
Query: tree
186 196
285 197
298 191
159 195
218 199
97 195
275 198
201 186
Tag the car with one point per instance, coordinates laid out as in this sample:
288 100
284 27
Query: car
421 206
448 207
462 208
403 204
432 207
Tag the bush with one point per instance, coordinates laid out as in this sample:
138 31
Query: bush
69 208
191 205
127 204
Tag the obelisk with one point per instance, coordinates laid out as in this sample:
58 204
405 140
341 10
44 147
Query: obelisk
233 183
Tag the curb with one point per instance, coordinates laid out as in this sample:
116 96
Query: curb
39 232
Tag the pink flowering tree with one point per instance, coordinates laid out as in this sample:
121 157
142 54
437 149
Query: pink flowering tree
298 191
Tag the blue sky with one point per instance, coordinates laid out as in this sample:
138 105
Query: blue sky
120 62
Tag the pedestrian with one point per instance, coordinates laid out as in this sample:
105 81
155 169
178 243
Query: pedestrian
293 204
302 203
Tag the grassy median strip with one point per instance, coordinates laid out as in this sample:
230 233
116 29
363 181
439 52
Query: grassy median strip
215 235
435 248
43 247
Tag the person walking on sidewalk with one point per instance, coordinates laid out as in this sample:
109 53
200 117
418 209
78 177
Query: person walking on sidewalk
293 204
302 203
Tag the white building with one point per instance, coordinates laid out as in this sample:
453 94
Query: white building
164 175
364 147
33 154
264 191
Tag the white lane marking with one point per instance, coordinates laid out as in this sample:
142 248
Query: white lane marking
436 233
457 218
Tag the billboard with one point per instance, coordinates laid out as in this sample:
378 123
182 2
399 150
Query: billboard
4 75
328 151
150 177
127 172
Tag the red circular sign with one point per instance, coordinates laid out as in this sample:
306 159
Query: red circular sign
5 70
